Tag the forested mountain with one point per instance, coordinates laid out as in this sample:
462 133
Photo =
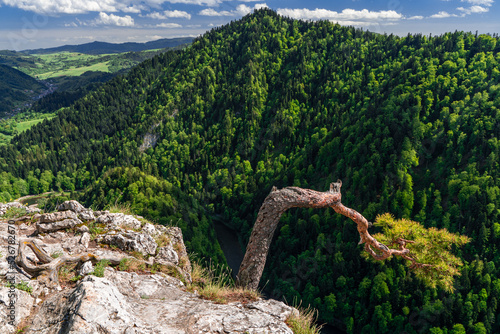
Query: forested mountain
15 88
410 124
95 48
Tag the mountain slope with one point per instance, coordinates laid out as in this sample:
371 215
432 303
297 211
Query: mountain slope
95 48
16 88
409 124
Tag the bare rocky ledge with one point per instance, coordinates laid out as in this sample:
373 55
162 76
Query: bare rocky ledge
121 301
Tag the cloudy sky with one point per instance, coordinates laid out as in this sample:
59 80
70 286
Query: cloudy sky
28 24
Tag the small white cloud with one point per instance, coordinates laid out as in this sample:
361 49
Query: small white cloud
169 14
195 2
441 15
240 10
416 17
72 24
473 10
346 17
169 25
213 12
479 2
114 20
133 9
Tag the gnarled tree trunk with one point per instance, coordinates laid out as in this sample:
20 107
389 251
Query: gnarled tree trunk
47 271
276 203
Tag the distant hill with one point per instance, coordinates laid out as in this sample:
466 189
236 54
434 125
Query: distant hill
16 88
103 47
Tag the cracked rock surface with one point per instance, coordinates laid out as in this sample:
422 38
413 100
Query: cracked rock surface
120 302
123 302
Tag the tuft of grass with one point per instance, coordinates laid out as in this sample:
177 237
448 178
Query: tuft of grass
138 255
75 278
162 240
66 272
95 230
55 255
173 271
14 212
130 264
24 286
304 322
100 267
216 284
21 329
121 208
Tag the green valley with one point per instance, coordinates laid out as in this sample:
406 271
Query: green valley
17 89
202 134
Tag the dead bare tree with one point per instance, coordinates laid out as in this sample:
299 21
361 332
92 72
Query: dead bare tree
278 201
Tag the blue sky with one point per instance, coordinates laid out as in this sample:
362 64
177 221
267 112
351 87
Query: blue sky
29 24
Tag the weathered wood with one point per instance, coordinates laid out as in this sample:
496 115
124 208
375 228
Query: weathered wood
47 271
277 202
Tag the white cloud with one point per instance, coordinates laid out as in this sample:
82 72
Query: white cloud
114 20
63 6
240 10
479 2
347 16
473 10
169 14
168 25
416 17
133 9
441 15
54 7
195 2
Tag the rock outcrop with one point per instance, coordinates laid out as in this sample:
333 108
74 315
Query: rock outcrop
122 301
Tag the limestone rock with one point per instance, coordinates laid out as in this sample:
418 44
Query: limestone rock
86 268
129 303
167 256
72 205
177 241
22 303
100 213
150 229
131 241
86 215
83 229
57 225
85 239
117 221
124 302
57 216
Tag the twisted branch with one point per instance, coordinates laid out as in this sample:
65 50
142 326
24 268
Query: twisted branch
278 201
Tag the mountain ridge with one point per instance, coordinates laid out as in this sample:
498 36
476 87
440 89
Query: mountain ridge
97 47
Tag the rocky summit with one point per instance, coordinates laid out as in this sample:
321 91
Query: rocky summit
62 285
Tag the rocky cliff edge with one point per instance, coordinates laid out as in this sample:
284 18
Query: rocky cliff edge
115 273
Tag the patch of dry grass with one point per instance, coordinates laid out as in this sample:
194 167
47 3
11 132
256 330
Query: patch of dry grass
304 322
217 285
